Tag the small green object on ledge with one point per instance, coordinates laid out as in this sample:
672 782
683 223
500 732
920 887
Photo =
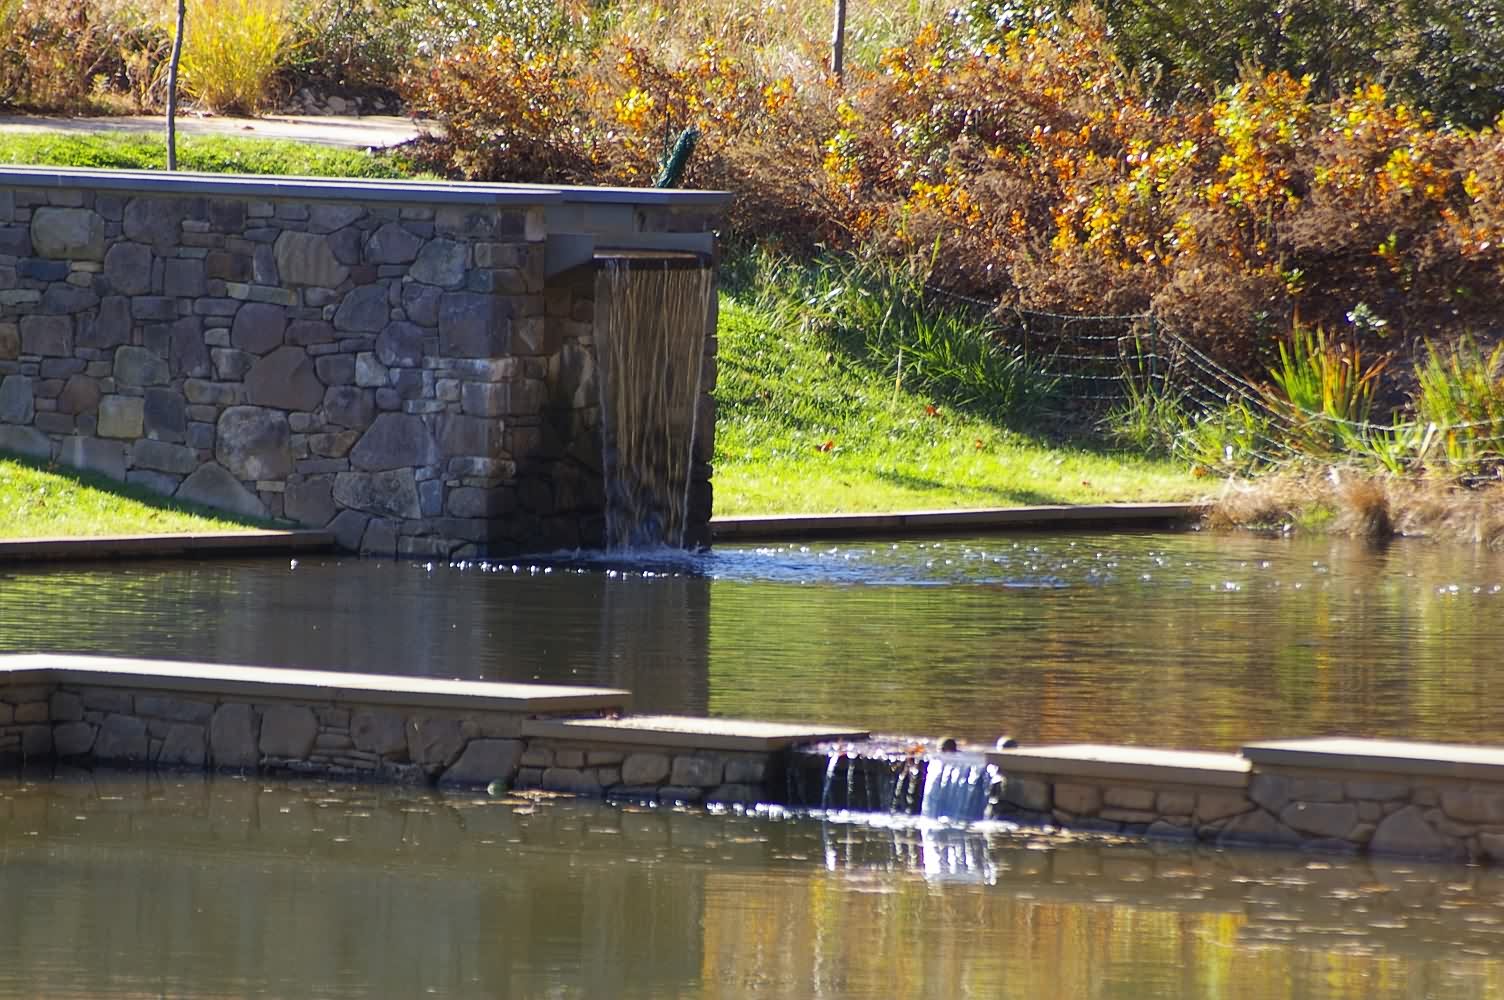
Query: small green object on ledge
672 171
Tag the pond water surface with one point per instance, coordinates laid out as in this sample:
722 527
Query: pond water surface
1193 640
164 885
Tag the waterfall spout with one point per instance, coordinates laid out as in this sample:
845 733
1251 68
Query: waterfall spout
650 345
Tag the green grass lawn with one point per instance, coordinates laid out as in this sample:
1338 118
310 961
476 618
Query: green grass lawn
38 502
805 428
205 154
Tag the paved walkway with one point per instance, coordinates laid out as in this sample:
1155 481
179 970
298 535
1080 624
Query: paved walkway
371 131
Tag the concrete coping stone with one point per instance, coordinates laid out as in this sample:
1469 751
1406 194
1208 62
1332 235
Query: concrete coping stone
1339 753
727 529
322 686
346 189
1126 763
249 542
676 732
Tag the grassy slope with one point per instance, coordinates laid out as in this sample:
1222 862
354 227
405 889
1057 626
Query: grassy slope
782 398
36 502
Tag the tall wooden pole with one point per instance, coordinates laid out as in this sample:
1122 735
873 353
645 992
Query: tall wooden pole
172 87
838 41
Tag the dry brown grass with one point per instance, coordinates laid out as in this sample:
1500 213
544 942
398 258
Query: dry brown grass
1364 505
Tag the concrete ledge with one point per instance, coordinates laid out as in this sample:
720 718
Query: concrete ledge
254 542
1432 760
1127 763
351 189
684 732
311 686
1126 515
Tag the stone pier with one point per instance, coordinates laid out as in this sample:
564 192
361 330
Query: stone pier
409 365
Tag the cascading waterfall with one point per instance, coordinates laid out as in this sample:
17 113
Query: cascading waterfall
942 786
650 349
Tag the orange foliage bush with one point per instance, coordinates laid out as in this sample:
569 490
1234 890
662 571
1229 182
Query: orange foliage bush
1032 170
73 55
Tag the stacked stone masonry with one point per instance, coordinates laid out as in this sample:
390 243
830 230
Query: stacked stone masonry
400 372
664 775
1366 812
90 724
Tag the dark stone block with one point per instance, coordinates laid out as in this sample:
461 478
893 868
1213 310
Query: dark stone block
474 326
349 406
259 327
110 327
187 352
154 307
166 418
400 345
42 270
227 216
62 299
228 266
395 441
15 241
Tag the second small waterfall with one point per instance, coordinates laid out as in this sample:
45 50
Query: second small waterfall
957 787
938 785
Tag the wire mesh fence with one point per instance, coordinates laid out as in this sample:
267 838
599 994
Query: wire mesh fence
1137 378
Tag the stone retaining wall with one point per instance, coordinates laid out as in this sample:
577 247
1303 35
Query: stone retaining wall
1421 800
86 711
654 774
1347 796
82 724
397 363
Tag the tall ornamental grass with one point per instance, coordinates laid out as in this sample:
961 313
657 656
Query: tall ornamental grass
232 51
1459 401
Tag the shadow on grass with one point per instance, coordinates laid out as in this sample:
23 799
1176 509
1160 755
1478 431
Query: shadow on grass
984 497
137 494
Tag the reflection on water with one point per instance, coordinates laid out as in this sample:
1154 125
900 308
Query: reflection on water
188 886
422 619
1192 640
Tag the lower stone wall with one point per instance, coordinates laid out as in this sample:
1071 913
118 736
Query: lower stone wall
360 729
645 774
1419 800
84 724
1364 797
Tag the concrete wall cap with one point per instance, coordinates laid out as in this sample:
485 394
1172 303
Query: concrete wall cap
310 686
348 189
1126 763
1436 760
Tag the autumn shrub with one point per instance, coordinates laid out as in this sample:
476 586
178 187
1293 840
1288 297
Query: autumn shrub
78 55
1027 167
1436 54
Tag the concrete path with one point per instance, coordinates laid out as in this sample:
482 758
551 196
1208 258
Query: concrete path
367 132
